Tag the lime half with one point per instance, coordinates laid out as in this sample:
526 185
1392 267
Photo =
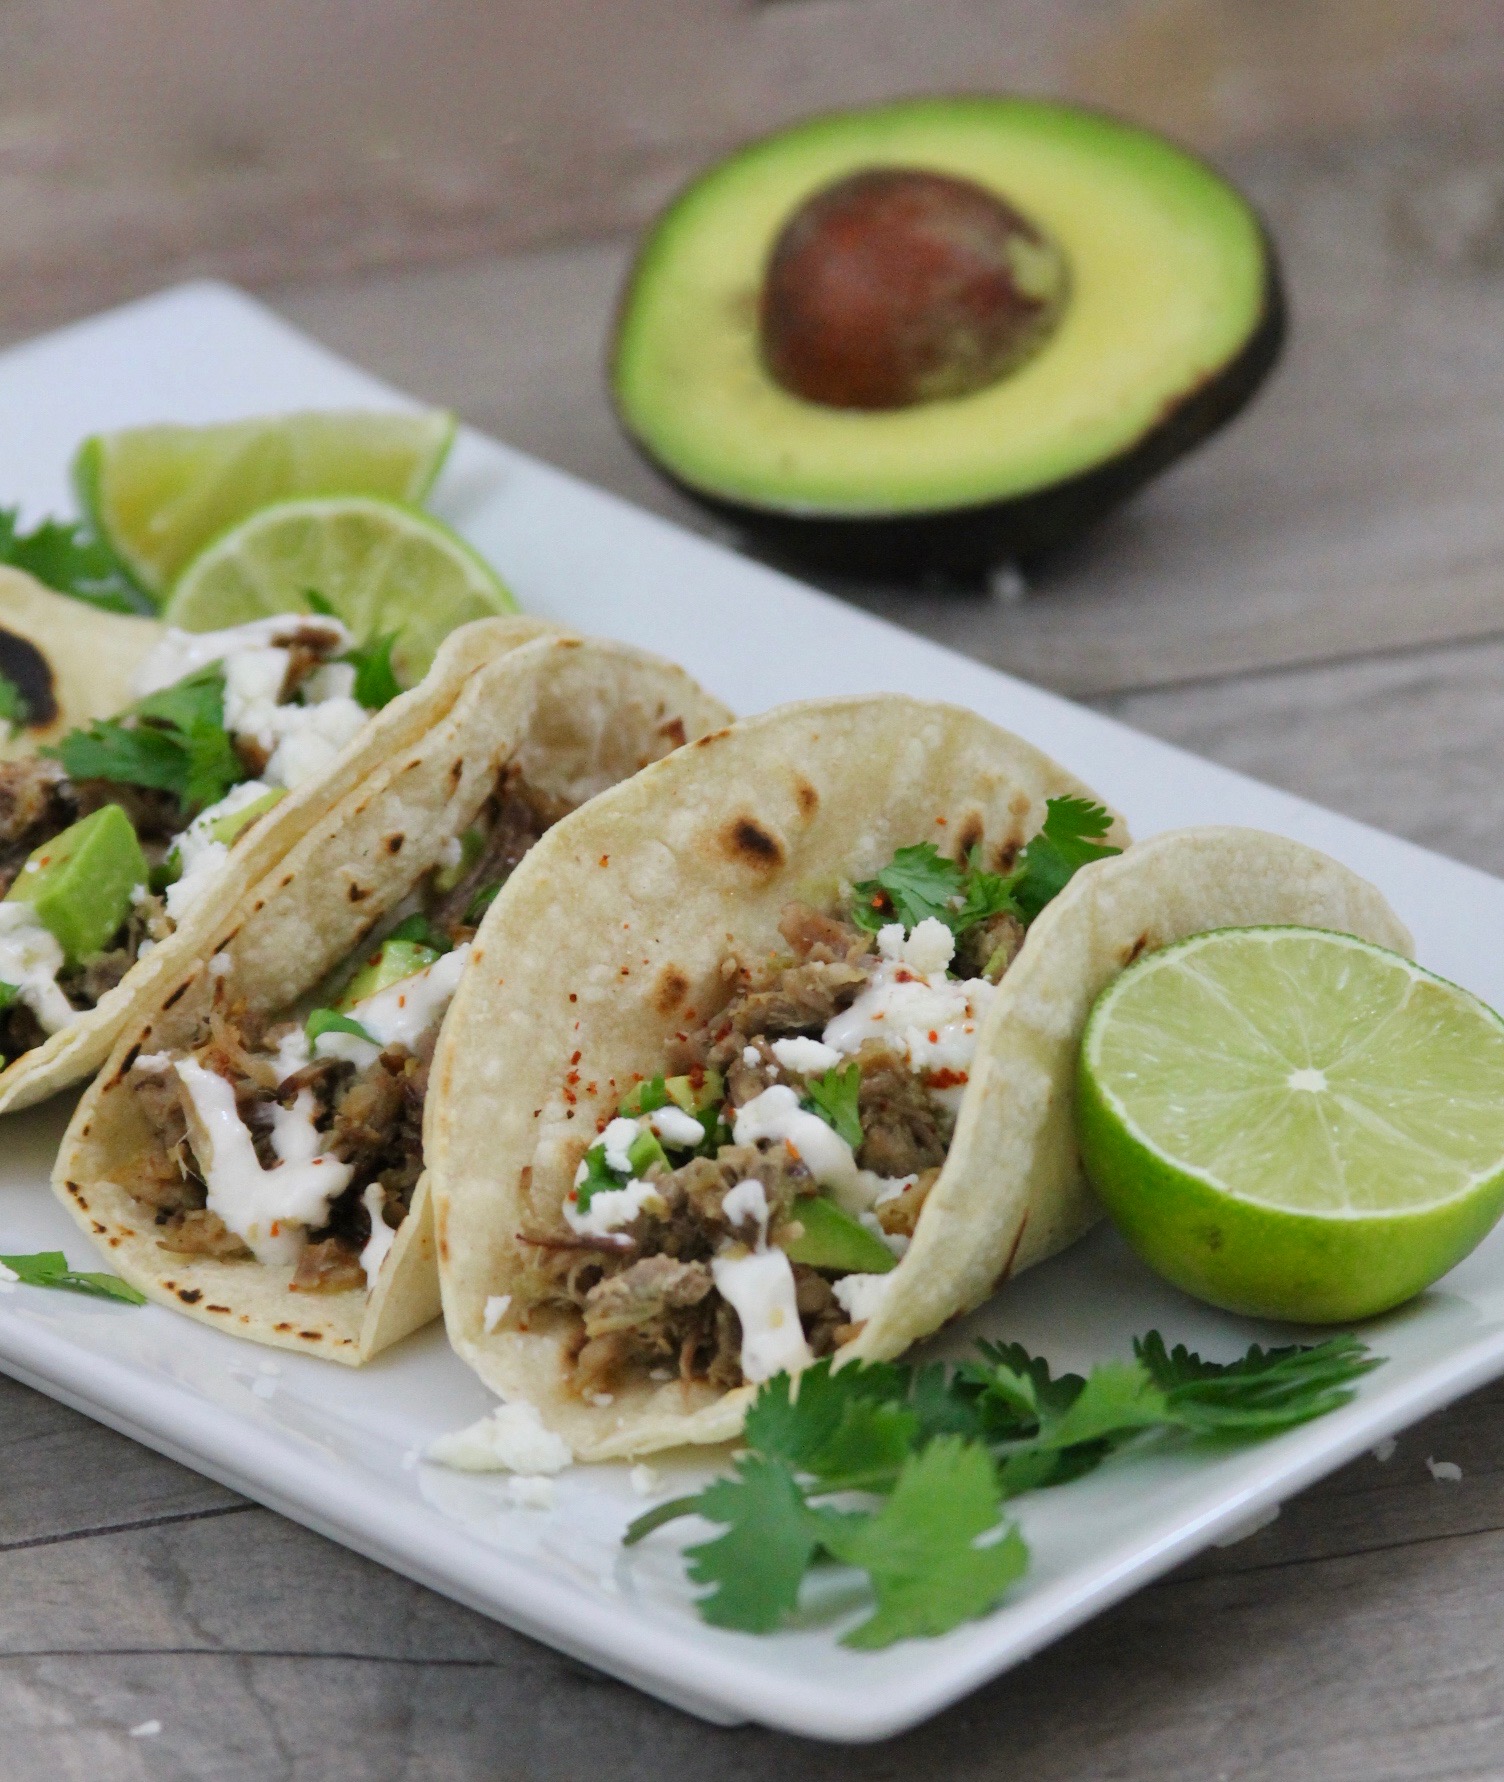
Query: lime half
382 566
158 495
1291 1123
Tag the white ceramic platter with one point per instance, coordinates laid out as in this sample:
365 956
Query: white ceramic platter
339 1450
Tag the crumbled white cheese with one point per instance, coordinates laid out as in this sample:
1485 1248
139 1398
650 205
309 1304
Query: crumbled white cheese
181 653
30 959
153 1063
379 1244
810 1057
529 1491
612 1208
495 1310
861 1295
139 895
308 738
331 680
201 855
751 1057
748 1200
759 1286
676 1127
646 1480
892 1187
912 1007
1444 1471
512 1439
270 1210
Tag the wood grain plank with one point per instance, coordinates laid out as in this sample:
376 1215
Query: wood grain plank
62 1475
1358 506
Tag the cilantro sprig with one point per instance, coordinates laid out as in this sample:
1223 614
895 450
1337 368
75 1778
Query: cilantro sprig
49 1268
172 741
65 556
835 1097
920 882
942 1450
13 706
376 682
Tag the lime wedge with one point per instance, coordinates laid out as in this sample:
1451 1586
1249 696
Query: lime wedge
1291 1123
157 495
382 567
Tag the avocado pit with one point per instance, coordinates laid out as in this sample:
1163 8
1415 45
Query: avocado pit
896 286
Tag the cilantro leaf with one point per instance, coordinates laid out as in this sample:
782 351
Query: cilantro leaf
834 1097
847 1424
13 706
645 1098
66 557
376 683
322 1021
49 1268
481 902
599 1178
418 928
173 741
1265 1391
920 1549
1069 839
758 1564
1118 1399
918 882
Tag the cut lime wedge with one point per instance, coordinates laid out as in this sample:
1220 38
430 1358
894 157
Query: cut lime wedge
1292 1123
383 567
158 495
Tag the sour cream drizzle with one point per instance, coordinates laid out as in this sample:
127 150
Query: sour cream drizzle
912 1007
30 959
270 1210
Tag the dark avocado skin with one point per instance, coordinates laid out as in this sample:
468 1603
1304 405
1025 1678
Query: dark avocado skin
963 545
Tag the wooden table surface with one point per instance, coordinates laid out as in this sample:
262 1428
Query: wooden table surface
1318 599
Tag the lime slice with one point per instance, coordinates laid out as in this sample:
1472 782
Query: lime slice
157 495
1292 1123
383 567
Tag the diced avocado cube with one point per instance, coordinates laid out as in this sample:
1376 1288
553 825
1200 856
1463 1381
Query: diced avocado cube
80 882
397 959
833 1240
447 877
9 993
226 828
643 1152
644 1098
710 1094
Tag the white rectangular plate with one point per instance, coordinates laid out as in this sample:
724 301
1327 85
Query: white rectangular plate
339 1450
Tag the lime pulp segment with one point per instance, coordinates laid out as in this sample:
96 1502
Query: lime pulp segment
1303 1070
158 495
383 567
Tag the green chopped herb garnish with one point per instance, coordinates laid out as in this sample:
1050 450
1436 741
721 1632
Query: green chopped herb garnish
645 1098
481 902
173 741
920 882
323 1021
9 994
942 1449
376 683
13 706
66 557
834 1097
599 1178
49 1268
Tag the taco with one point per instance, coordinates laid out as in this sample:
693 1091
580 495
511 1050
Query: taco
123 840
252 1152
770 1051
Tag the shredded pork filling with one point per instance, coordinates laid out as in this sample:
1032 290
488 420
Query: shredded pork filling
645 1290
368 1117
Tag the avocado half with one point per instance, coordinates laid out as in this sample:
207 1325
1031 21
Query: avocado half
1174 314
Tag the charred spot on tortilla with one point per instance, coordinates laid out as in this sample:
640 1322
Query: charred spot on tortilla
456 771
178 994
100 1229
30 673
674 732
671 989
746 841
128 1061
711 736
393 843
282 1327
970 835
313 1336
216 1308
1139 947
808 797
358 893
190 1296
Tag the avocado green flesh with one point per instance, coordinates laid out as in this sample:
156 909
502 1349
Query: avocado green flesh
80 883
226 829
398 959
1169 273
833 1240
